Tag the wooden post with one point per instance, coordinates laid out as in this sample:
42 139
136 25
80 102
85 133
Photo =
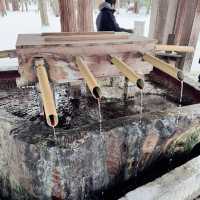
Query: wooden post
2 8
180 18
68 15
187 28
15 5
42 6
184 21
85 16
7 5
163 15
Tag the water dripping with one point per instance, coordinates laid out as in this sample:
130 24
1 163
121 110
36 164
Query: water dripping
181 95
180 103
57 190
54 134
141 105
100 116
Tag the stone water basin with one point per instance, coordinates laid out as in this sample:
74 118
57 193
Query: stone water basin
84 163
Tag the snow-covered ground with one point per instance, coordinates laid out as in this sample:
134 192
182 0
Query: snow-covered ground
29 22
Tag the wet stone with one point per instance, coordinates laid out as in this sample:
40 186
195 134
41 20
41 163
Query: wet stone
82 163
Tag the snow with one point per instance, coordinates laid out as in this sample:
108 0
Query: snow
195 64
21 22
29 22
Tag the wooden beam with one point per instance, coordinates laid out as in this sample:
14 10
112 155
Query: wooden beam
182 49
86 37
76 33
8 54
60 55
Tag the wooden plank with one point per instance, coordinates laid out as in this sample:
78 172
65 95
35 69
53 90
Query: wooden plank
185 49
76 33
86 37
60 56
31 40
8 54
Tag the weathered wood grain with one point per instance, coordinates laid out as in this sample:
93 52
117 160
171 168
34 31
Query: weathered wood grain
85 38
8 54
60 55
68 15
85 15
75 33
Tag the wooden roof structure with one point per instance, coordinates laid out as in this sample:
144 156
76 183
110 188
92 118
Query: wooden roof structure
59 50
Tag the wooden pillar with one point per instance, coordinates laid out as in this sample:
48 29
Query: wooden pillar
15 5
85 16
187 27
178 17
163 15
42 6
2 8
68 15
184 21
193 38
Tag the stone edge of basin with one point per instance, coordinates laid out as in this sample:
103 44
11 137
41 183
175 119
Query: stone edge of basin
182 183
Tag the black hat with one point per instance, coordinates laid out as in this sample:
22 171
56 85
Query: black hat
111 2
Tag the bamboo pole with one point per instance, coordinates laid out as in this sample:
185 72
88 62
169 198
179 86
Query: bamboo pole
46 93
128 72
89 77
163 66
182 49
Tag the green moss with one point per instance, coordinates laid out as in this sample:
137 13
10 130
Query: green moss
186 142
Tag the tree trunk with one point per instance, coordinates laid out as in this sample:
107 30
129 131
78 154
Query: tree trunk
26 5
2 8
15 5
22 5
136 7
68 15
85 16
7 5
55 7
42 6
148 7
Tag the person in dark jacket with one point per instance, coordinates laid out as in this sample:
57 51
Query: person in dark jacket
106 20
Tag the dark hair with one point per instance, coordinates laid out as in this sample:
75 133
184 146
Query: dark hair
112 2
